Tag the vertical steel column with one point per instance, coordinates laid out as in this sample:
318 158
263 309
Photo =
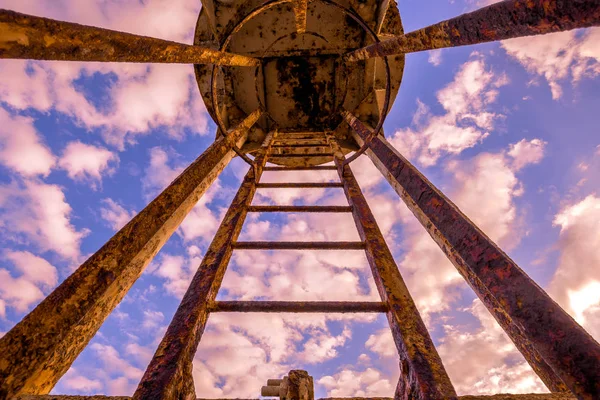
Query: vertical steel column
558 349
423 375
170 372
42 347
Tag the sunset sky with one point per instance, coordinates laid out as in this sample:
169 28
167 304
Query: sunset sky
509 131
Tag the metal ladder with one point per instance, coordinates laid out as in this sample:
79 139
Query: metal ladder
172 363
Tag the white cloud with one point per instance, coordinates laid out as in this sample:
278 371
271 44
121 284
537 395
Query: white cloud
527 152
382 343
158 175
38 213
558 56
467 120
178 271
21 148
115 214
84 162
18 293
367 383
79 383
152 320
485 361
36 276
435 57
35 269
577 279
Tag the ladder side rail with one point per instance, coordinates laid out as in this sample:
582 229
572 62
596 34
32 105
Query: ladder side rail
423 375
169 373
558 349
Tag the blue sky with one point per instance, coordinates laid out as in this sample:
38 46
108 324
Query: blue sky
508 130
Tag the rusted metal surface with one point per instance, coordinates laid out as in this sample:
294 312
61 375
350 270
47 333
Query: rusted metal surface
304 82
302 155
315 168
300 10
170 372
558 349
503 20
28 37
299 307
423 375
299 245
296 185
301 209
41 348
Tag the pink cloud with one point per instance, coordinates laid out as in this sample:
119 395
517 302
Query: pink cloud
38 213
21 148
466 122
115 214
558 56
576 282
87 163
485 361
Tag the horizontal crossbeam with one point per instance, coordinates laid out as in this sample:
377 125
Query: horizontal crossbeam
295 185
299 245
299 145
304 209
316 168
29 37
301 155
299 307
499 21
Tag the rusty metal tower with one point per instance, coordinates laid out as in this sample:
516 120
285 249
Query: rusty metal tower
298 84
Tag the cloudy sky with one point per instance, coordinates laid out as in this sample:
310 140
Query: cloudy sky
508 130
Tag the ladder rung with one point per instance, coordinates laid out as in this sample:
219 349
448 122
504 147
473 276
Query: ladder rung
301 209
299 307
294 185
301 155
315 168
299 245
300 145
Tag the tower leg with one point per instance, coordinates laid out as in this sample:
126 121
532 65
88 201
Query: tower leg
42 347
558 349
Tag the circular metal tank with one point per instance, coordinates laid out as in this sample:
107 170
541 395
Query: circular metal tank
303 82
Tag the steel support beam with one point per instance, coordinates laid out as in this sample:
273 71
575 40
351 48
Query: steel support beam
170 371
299 306
500 21
558 349
28 37
42 347
422 374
